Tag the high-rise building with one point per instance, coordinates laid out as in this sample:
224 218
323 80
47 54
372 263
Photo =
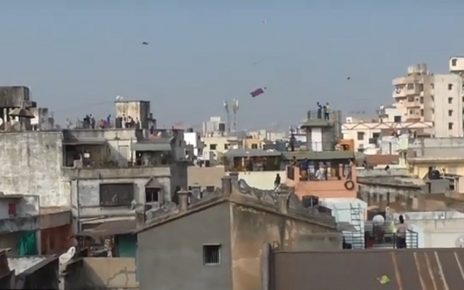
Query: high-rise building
421 96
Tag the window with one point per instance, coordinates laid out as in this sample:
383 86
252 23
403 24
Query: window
432 98
450 126
433 111
410 86
360 136
421 87
422 112
450 113
421 100
432 86
454 62
211 254
411 112
410 99
226 146
152 194
254 146
212 146
397 119
450 87
116 194
450 100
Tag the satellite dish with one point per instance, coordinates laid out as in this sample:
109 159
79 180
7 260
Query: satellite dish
459 243
66 257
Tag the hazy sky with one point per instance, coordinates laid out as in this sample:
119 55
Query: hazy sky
77 56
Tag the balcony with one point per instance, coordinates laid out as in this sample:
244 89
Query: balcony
339 182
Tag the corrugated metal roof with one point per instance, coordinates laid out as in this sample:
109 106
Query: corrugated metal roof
409 269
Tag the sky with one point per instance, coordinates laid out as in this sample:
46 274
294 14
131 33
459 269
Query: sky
77 56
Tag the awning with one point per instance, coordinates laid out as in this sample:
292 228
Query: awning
323 155
151 147
85 141
110 228
252 153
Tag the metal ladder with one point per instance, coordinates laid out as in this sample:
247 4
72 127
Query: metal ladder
357 236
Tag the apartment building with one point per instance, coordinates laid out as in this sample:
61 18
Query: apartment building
421 96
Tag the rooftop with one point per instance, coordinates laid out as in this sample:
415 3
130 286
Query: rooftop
245 195
408 269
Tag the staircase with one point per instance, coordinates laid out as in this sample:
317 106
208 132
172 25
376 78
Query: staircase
357 236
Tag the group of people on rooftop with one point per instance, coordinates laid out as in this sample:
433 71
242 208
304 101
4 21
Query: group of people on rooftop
323 109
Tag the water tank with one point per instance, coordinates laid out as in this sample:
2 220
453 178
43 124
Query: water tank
222 127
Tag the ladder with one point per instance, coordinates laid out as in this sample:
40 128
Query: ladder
357 236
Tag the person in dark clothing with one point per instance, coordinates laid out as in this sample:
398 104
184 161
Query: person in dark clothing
401 231
277 181
319 110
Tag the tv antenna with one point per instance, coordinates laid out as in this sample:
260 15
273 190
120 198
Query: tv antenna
235 108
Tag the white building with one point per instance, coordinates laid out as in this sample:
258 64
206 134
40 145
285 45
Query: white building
193 141
425 97
373 137
214 126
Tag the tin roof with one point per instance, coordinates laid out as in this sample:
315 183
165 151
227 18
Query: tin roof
408 269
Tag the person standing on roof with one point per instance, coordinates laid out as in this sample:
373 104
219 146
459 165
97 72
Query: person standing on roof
277 181
327 111
401 230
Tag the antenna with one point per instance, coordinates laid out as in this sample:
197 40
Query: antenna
226 107
235 111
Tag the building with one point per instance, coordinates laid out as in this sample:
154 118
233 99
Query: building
29 229
226 253
19 112
443 154
214 126
216 146
322 132
193 143
111 172
138 111
423 96
369 136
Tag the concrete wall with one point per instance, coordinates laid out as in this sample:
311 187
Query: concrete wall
205 176
25 206
31 164
251 229
102 273
134 109
119 142
170 256
262 179
436 229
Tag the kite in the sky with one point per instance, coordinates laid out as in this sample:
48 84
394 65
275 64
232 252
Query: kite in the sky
257 92
144 43
348 78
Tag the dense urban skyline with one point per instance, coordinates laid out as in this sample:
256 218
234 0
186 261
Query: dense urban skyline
77 57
